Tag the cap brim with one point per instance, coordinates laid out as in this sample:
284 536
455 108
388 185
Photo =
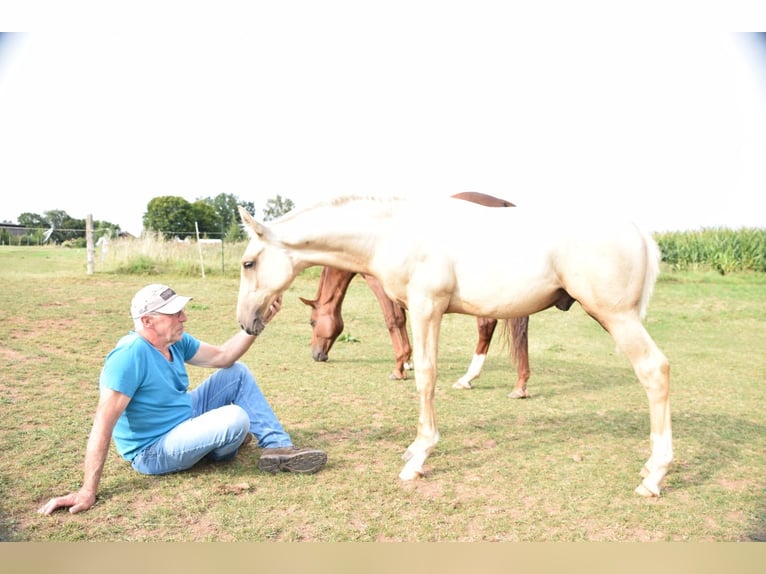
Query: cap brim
174 305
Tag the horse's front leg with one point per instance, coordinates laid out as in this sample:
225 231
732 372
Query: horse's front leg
401 342
428 435
425 335
396 323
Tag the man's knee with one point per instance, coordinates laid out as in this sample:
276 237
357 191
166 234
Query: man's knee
240 369
237 418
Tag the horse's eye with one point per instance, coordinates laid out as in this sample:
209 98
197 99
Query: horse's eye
313 323
248 264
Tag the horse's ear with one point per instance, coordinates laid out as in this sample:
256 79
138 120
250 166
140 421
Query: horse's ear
252 226
310 302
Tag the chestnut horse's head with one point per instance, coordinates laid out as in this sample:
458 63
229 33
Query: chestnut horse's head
266 272
326 318
326 325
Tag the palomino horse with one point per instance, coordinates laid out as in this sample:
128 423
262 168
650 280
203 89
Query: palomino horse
327 321
442 266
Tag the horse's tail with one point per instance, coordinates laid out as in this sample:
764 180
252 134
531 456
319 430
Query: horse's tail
515 334
652 271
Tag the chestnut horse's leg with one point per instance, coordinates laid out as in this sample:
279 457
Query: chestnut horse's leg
519 330
396 323
486 327
519 352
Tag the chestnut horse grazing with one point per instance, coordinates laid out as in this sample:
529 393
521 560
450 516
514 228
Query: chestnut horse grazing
327 321
442 266
327 325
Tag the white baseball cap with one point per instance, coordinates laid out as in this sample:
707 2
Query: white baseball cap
157 298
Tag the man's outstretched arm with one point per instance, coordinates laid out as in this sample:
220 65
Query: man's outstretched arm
110 407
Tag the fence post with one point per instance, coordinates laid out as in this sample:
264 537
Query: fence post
199 246
89 241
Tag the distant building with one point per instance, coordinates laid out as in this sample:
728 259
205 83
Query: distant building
14 229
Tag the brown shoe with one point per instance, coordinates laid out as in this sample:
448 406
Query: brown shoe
292 459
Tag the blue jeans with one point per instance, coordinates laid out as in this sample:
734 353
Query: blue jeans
225 408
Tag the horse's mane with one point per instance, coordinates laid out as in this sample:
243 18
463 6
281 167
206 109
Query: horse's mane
340 201
343 199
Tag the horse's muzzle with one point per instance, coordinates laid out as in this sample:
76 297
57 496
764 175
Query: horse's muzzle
319 355
255 328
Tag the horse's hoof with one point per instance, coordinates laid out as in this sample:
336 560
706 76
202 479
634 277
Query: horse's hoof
519 395
647 490
462 386
410 474
397 377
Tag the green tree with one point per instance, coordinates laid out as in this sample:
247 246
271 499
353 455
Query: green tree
170 215
67 228
225 205
64 226
56 218
277 207
206 217
235 233
105 228
28 219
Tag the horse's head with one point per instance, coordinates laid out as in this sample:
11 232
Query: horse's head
266 272
326 318
326 325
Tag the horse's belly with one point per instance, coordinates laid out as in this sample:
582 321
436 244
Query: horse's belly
504 300
512 285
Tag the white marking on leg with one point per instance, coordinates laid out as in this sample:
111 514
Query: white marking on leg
473 372
416 455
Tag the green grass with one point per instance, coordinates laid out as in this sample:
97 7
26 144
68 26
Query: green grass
560 466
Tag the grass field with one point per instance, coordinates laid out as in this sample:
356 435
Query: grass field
560 466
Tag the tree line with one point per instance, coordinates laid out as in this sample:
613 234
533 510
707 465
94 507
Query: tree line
170 216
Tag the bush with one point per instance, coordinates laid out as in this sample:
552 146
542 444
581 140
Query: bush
139 265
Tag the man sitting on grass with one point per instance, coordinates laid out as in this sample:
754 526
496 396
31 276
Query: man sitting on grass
157 424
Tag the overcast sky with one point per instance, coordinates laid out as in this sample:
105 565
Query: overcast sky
309 100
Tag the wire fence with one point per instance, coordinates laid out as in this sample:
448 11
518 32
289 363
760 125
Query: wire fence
19 235
151 253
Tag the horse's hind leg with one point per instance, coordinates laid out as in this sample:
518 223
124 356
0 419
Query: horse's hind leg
519 328
652 368
486 328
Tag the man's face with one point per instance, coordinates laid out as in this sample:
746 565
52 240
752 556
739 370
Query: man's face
168 328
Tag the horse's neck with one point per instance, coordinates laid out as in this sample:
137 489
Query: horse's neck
341 236
333 285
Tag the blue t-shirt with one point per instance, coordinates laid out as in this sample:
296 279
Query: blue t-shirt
157 388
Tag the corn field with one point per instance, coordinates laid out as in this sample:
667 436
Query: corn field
724 250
